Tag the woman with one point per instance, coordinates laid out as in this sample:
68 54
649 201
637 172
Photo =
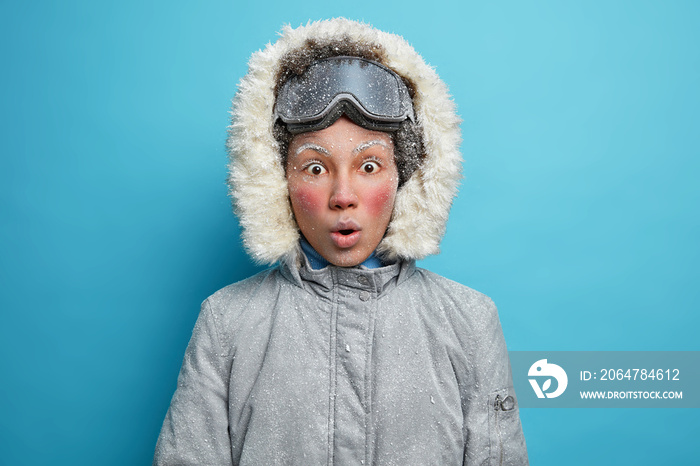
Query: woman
344 163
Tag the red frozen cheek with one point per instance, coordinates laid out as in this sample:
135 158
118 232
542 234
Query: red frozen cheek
380 200
306 198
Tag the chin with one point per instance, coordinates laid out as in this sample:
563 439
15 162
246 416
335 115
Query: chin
348 259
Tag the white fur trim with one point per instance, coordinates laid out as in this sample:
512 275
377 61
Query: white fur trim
257 181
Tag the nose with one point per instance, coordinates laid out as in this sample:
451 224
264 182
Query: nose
343 195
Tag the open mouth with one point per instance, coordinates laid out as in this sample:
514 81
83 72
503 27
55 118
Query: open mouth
345 238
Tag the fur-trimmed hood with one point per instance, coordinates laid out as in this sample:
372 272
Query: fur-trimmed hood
257 182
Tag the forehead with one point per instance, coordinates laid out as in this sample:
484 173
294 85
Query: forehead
343 134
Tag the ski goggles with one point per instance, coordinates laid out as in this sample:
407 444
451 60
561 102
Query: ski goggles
372 95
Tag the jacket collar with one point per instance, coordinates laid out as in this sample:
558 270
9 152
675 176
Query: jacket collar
379 281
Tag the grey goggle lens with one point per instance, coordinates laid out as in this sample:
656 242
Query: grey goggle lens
377 94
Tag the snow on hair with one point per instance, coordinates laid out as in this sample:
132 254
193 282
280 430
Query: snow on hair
257 182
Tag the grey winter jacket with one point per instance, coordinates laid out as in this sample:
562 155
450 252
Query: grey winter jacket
345 366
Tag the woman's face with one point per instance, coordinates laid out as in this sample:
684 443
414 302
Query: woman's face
342 184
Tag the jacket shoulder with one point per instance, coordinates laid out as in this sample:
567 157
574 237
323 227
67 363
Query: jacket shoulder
446 290
239 290
243 299
470 314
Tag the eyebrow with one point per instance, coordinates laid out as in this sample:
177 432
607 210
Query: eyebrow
366 145
313 147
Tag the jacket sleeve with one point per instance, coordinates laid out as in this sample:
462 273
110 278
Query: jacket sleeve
195 430
494 434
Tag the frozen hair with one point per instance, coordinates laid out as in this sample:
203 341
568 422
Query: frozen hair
408 141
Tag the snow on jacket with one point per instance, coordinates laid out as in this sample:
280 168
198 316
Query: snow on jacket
345 366
393 365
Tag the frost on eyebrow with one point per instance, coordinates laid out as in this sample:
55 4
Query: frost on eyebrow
366 145
313 147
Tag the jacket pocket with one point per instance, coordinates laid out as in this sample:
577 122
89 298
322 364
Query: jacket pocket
506 441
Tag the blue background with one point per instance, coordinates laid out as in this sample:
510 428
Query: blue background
578 213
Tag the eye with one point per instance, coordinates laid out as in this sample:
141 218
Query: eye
370 167
315 169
